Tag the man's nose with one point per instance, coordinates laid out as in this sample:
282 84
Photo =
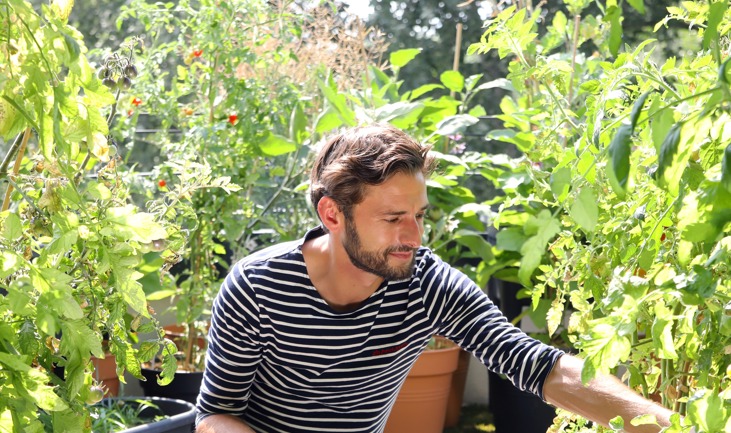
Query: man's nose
411 233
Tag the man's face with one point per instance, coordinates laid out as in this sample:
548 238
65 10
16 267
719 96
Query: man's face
386 228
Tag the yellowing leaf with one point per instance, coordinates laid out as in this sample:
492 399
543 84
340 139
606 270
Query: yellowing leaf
100 146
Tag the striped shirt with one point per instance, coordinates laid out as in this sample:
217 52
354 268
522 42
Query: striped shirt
284 361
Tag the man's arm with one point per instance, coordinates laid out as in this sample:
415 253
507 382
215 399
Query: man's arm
603 399
222 423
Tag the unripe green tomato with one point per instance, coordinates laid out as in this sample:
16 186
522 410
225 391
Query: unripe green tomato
124 83
109 82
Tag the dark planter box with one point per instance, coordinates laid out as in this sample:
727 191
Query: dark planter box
185 385
180 415
514 410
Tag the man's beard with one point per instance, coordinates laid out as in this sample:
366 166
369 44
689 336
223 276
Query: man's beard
375 262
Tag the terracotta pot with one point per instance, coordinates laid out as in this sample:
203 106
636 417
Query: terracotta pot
456 392
105 371
421 405
177 334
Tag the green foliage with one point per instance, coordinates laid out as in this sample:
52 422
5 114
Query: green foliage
71 237
619 213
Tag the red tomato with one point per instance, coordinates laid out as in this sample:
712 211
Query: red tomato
197 53
136 102
161 183
232 118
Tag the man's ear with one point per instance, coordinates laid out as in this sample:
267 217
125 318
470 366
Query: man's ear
330 214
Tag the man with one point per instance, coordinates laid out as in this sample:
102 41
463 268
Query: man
318 335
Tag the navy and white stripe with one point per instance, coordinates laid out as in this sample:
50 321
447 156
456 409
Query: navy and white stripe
284 361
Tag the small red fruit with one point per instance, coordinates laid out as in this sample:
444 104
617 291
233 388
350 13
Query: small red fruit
130 112
161 183
136 102
232 118
197 53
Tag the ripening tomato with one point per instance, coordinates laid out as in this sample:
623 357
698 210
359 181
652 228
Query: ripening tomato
136 102
161 183
197 53
232 118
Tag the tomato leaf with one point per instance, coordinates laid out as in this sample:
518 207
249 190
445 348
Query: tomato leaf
726 168
715 15
668 149
619 152
637 108
584 210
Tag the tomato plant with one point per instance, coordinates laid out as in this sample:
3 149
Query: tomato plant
624 224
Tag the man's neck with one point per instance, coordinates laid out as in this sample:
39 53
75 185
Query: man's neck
340 283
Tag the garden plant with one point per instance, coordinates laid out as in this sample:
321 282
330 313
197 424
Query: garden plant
619 211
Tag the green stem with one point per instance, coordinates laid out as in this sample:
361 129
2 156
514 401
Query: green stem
657 224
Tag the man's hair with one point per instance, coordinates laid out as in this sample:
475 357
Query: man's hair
365 156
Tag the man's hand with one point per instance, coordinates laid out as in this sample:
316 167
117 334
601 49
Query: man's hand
603 399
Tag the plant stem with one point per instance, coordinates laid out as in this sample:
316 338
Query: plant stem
16 167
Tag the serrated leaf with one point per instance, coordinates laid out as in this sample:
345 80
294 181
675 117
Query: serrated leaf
619 167
401 58
12 227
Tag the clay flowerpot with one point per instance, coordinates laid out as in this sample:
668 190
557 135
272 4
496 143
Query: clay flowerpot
176 333
421 405
456 392
105 371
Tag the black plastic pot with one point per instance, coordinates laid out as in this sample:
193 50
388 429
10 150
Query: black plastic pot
514 410
180 415
185 385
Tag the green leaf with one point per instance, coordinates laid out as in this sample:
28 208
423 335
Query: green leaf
327 120
638 5
12 227
545 228
510 239
401 58
618 167
584 210
422 90
126 223
130 288
452 80
661 124
99 191
637 108
275 145
617 423
297 125
706 409
668 149
644 420
662 332
726 168
79 341
614 17
456 124
604 347
561 183
715 15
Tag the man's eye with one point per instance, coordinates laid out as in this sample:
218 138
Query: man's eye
420 216
392 220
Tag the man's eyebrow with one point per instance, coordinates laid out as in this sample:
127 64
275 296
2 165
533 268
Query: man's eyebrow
402 212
